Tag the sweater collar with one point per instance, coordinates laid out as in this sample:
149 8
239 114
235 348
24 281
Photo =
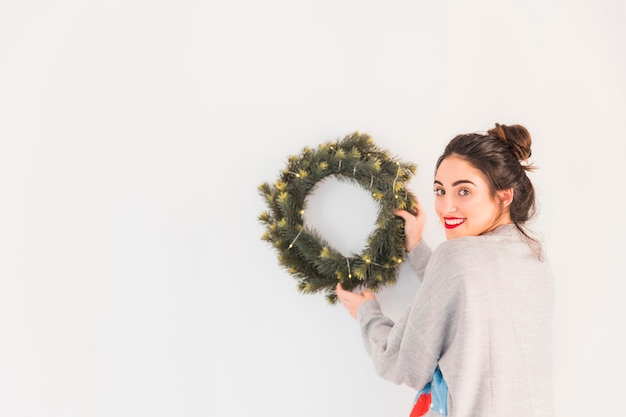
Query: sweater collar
509 229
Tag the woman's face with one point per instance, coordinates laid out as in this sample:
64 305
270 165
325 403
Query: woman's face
463 201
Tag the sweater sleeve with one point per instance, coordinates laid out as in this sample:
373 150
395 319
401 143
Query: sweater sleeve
407 351
418 257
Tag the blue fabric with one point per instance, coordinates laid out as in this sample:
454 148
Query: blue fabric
438 388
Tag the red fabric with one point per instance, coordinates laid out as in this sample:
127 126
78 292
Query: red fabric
422 405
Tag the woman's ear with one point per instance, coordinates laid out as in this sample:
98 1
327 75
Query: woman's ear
505 197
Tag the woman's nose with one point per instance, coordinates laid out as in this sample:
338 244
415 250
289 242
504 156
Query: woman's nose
449 205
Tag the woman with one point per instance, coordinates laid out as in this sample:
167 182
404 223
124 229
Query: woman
476 339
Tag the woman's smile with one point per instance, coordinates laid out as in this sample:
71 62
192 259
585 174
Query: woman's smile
452 222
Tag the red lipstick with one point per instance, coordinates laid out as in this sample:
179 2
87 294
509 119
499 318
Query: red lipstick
452 222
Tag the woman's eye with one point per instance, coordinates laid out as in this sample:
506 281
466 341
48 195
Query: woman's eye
464 192
439 191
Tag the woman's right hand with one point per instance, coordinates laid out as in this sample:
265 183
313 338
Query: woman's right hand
413 226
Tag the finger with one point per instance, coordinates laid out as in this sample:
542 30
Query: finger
339 290
368 295
403 213
343 296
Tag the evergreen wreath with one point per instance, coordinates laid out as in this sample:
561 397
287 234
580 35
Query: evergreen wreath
303 251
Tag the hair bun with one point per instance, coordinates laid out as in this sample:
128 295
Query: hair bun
516 136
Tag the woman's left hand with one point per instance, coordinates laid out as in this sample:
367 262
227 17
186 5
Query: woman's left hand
413 226
352 301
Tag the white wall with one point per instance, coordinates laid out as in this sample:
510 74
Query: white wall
134 134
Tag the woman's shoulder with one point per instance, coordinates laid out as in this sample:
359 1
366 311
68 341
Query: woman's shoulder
502 243
455 262
453 256
461 244
478 247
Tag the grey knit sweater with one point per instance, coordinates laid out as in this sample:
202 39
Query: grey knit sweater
483 313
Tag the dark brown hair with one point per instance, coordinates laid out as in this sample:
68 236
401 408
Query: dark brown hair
501 155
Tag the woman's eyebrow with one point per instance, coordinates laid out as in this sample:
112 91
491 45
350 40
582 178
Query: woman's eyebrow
455 183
